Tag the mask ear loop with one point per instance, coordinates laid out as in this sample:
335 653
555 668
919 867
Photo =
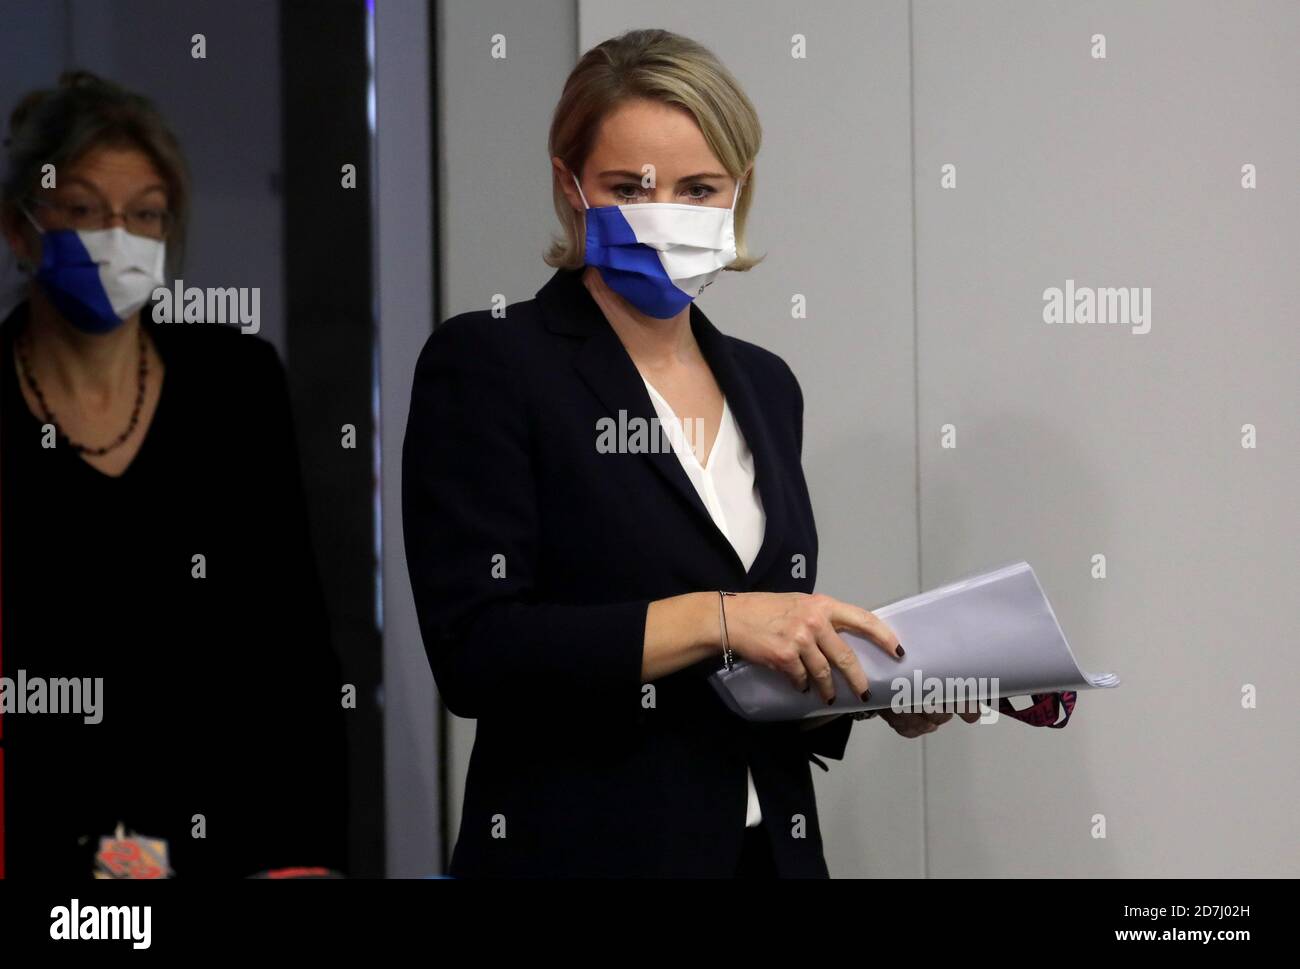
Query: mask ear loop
30 218
23 264
576 182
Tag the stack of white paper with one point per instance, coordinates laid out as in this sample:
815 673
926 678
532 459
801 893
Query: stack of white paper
987 636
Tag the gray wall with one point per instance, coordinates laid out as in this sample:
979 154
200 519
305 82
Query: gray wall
1085 440
404 213
925 309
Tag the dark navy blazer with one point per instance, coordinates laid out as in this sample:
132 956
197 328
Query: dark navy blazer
534 556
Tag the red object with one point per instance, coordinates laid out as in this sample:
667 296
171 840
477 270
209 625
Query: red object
1046 708
126 859
298 873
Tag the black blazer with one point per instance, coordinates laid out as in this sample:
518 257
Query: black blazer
534 556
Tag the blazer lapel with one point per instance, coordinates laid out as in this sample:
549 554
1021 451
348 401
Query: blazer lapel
603 363
743 399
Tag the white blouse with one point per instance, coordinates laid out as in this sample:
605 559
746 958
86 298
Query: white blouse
727 487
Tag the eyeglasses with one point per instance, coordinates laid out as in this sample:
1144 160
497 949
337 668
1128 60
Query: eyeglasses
149 221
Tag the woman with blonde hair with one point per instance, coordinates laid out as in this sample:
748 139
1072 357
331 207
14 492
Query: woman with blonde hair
574 574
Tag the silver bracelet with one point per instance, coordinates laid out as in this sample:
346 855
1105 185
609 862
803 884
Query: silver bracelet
728 657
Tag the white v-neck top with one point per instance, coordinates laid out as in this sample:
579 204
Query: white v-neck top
726 485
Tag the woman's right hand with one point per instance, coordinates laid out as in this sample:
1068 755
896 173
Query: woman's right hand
797 634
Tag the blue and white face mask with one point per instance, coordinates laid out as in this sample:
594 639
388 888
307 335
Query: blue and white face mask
96 278
659 256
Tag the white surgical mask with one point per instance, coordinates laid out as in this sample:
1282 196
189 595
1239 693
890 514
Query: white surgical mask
659 256
98 277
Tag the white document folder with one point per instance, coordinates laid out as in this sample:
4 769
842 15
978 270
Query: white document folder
992 635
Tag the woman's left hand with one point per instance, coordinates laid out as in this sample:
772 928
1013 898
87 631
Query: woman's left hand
918 724
907 724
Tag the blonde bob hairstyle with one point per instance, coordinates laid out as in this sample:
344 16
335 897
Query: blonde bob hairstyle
661 66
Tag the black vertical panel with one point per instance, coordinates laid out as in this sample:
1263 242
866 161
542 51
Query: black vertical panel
330 341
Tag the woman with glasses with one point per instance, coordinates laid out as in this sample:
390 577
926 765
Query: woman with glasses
157 570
